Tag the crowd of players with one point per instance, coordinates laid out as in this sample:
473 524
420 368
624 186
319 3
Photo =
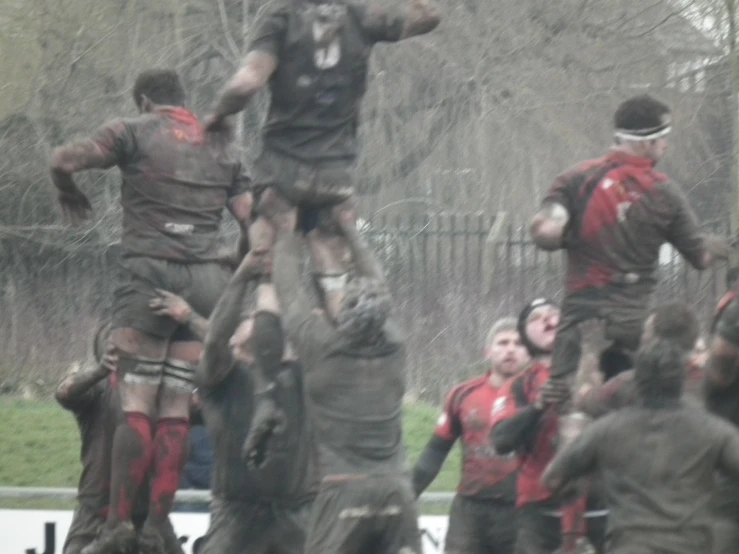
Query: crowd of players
301 387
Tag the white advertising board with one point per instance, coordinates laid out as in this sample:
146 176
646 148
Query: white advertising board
22 530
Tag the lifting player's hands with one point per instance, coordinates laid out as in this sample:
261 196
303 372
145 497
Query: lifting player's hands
109 362
76 208
593 336
171 305
553 393
268 421
255 264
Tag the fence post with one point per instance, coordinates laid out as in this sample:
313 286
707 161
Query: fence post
488 253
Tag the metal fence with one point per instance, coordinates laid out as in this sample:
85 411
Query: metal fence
451 275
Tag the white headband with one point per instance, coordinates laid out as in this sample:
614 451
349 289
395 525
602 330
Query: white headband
629 135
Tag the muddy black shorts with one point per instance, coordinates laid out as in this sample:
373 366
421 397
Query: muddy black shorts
310 187
200 284
624 309
375 514
238 527
478 526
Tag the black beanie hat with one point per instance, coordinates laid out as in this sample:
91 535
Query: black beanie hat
521 326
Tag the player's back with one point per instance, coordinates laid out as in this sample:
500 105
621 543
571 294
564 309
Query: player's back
658 469
356 403
316 91
176 182
623 211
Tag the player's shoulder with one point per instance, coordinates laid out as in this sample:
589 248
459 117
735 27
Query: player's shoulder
580 170
704 421
460 391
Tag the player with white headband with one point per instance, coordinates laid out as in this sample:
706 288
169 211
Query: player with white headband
611 215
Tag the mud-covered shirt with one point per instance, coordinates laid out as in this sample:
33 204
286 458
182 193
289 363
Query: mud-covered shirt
657 468
621 212
538 447
176 181
468 413
289 475
355 395
317 88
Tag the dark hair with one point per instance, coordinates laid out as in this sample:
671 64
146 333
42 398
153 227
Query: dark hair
640 113
677 322
161 86
659 371
269 342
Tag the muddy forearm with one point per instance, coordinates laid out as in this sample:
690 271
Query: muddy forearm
224 320
515 432
295 303
250 79
73 388
421 17
232 100
429 463
366 263
198 325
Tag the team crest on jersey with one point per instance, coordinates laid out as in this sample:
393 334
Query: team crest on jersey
442 420
498 406
326 21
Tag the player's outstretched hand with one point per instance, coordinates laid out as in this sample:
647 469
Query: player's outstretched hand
171 305
76 207
553 393
110 359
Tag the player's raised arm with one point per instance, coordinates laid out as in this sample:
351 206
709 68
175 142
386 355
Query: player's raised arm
226 317
102 150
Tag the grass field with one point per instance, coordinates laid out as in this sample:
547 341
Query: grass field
40 447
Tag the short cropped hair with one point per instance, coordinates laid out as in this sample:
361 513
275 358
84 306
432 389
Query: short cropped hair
676 321
501 325
161 86
639 113
659 371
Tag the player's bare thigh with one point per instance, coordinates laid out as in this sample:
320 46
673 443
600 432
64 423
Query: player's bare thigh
140 354
178 382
